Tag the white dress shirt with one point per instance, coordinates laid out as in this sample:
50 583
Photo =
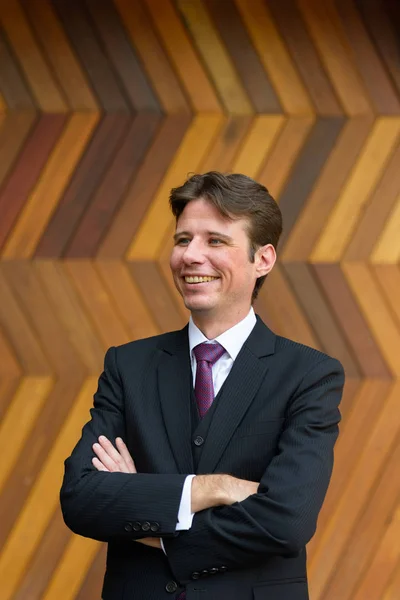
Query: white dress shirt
232 340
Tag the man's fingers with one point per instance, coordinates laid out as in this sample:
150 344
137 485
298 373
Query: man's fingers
111 451
105 458
98 464
123 450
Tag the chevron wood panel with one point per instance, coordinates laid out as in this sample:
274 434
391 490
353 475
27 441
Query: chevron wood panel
107 104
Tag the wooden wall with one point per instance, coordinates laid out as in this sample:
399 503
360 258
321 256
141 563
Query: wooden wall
104 106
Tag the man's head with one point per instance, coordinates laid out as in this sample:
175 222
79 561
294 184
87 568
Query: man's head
250 224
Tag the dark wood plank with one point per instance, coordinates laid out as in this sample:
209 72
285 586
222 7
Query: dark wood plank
109 195
157 296
356 331
13 86
122 56
307 169
144 187
14 130
244 56
78 25
305 56
26 172
319 314
87 177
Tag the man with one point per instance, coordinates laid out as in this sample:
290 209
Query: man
209 450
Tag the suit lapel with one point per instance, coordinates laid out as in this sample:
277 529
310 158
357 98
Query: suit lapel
174 384
241 386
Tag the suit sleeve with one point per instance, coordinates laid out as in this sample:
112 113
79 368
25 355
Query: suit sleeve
281 518
115 506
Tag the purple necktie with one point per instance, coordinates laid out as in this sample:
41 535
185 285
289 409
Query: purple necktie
206 355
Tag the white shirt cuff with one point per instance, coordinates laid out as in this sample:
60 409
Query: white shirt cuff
185 516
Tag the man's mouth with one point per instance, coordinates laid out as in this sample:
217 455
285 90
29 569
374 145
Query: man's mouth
198 279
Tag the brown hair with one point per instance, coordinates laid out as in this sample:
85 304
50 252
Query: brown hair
236 196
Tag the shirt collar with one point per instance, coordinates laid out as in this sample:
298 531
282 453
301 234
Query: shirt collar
232 339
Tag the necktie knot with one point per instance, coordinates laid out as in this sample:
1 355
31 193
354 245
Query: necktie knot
208 352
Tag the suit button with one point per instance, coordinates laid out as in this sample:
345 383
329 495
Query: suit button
171 587
198 440
145 526
195 575
223 569
213 571
204 573
137 526
128 527
154 526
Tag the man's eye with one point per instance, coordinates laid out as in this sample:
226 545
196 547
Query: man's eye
215 241
182 241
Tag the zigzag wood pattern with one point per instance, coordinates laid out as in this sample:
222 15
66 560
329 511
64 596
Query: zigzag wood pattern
106 105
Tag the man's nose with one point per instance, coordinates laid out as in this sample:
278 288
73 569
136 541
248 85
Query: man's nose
194 253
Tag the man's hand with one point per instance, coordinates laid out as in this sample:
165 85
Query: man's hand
110 459
218 490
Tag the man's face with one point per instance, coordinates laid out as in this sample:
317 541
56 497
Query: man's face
210 263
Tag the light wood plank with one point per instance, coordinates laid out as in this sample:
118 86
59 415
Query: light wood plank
44 497
183 57
357 191
215 57
387 247
258 144
158 219
275 57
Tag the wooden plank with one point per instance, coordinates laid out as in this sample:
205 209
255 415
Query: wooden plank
304 55
370 66
227 144
86 178
376 312
287 315
376 212
182 55
350 575
320 316
48 553
355 329
193 149
122 56
387 247
157 296
42 82
66 68
97 302
43 499
10 373
14 129
258 144
322 199
26 173
124 292
356 193
91 587
144 187
44 198
19 420
306 170
393 587
325 29
282 157
338 532
13 87
388 278
219 65
111 190
71 569
163 78
275 57
244 56
104 81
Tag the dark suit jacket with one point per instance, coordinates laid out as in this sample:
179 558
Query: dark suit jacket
276 422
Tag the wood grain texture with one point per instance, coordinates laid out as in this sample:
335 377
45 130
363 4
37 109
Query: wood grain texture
104 107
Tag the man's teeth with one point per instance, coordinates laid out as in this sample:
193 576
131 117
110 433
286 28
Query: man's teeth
199 279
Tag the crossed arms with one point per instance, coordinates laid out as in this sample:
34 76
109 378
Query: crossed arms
237 523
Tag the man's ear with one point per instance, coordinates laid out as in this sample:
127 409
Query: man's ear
265 259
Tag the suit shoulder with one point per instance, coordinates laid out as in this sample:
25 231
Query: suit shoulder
307 355
145 345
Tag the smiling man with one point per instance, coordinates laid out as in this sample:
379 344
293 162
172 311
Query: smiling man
209 450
